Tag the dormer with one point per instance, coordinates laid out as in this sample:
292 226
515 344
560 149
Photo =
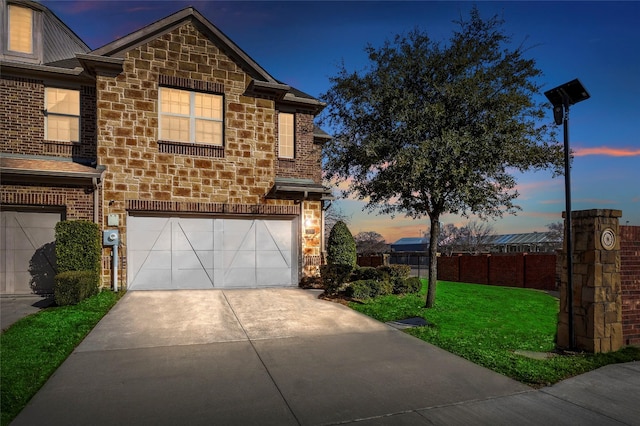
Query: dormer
32 34
22 32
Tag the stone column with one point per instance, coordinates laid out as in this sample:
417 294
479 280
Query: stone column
597 294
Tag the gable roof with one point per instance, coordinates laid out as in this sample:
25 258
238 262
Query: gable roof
110 54
119 47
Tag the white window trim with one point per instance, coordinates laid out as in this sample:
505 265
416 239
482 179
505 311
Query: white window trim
192 117
47 113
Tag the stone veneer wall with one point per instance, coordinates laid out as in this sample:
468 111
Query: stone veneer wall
139 168
597 295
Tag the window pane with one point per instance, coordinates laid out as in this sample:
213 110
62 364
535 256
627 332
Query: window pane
285 135
174 101
208 106
209 132
61 128
63 101
174 129
20 29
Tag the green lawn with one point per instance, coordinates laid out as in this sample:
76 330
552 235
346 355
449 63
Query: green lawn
33 348
487 325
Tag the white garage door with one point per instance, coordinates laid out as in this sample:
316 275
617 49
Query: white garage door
27 252
200 253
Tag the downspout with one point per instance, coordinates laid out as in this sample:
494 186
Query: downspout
95 199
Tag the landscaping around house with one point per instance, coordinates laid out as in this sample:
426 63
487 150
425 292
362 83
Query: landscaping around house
492 326
34 347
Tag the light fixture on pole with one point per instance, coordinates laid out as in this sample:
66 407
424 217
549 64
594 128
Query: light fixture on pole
561 98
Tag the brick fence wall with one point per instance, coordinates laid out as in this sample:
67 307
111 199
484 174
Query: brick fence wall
514 270
630 282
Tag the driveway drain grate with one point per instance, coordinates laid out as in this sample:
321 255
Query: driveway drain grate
409 323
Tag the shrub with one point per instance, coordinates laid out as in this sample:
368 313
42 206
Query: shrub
334 276
407 286
341 247
72 287
361 289
367 273
365 289
78 246
396 271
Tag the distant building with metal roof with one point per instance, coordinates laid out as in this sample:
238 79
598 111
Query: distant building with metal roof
410 244
531 242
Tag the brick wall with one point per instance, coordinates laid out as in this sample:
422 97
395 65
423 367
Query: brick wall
630 282
307 154
514 270
22 118
78 202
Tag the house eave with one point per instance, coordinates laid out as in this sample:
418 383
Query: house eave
101 65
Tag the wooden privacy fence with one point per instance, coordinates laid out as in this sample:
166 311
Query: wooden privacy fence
523 270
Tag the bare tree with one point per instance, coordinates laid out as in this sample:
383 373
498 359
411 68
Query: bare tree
474 238
449 235
370 243
556 232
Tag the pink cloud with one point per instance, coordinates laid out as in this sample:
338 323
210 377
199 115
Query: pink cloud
605 150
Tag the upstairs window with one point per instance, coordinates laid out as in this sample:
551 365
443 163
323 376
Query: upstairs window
20 29
62 114
191 117
286 135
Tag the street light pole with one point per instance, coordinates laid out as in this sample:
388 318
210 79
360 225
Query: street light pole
561 98
568 233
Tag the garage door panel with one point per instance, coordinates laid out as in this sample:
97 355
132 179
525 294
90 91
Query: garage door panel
240 259
218 253
182 259
277 233
239 235
161 259
274 277
206 258
27 241
273 259
240 277
191 279
195 225
197 241
146 223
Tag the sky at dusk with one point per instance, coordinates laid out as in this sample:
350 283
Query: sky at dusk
302 44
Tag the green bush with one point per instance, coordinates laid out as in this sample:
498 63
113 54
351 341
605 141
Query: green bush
366 273
341 247
396 271
78 246
72 287
334 276
407 286
365 289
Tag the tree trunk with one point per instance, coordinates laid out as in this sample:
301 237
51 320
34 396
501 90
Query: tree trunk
433 261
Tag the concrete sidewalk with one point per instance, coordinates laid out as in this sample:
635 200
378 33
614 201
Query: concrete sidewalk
283 357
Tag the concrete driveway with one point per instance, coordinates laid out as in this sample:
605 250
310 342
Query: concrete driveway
271 356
